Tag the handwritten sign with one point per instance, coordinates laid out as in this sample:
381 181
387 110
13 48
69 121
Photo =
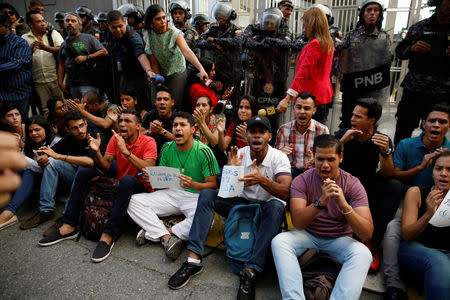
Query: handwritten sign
441 217
164 177
230 186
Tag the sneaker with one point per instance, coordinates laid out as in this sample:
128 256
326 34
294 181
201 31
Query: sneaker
393 293
375 250
184 274
36 220
52 229
247 285
13 220
172 247
140 238
58 237
101 252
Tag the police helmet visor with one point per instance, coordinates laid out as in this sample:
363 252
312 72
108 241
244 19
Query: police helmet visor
222 10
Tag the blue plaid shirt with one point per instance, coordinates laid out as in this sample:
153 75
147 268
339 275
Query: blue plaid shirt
15 68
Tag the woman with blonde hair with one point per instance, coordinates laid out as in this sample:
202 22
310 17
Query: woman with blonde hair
313 69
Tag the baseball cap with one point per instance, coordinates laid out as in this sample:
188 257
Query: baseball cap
258 120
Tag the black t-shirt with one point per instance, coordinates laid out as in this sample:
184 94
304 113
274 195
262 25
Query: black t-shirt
167 124
69 145
361 158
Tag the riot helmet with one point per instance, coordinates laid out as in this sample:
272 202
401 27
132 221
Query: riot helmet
199 20
271 19
131 11
85 11
436 3
180 4
102 16
327 11
224 10
59 16
362 9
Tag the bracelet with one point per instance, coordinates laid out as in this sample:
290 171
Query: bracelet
65 158
347 213
416 170
128 155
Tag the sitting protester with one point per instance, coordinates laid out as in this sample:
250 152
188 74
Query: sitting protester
198 169
133 152
328 206
57 109
266 181
39 133
425 248
206 122
12 121
63 160
202 88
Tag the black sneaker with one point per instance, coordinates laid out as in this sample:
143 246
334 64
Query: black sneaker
184 274
247 285
57 237
101 252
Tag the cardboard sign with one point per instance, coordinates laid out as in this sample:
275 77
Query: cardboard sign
230 186
441 217
164 177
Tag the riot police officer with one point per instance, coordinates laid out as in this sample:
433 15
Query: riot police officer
200 23
134 15
365 60
59 19
180 12
222 43
427 46
87 18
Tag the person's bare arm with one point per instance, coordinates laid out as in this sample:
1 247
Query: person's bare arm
82 161
190 56
61 73
301 214
200 118
154 63
145 64
386 162
188 183
104 123
103 162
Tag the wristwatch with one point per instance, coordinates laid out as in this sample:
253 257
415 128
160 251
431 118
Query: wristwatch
318 206
387 154
88 57
164 132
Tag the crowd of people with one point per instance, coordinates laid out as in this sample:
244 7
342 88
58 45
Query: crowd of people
114 94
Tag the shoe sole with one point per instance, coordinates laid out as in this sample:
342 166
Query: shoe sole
72 237
175 251
140 238
97 260
11 223
179 287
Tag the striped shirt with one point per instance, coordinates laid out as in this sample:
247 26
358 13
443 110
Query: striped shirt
289 134
15 68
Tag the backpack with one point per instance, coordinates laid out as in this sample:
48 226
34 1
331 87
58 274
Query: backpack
239 234
319 272
98 205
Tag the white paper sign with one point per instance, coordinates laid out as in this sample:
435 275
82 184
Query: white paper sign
230 186
441 217
164 177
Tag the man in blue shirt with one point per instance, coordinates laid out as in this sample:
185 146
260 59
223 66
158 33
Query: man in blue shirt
132 62
15 66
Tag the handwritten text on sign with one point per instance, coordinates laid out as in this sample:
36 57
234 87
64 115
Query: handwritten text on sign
164 177
230 186
441 217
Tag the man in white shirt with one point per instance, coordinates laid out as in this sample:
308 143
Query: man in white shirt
45 45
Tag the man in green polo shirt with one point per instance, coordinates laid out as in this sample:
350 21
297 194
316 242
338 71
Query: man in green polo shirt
198 168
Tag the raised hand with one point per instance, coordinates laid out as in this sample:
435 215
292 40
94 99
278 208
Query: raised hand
381 141
233 158
47 150
121 144
241 131
199 117
288 149
94 144
350 134
254 177
76 105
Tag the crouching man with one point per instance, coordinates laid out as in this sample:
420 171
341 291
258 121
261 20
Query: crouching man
328 205
267 181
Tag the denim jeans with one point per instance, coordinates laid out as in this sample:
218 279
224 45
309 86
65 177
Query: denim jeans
49 184
353 255
391 243
433 264
128 186
209 202
78 92
23 192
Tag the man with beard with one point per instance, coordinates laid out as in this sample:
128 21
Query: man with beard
158 122
296 137
198 168
61 161
44 63
132 152
180 12
266 181
328 206
78 58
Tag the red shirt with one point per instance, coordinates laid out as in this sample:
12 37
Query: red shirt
143 148
312 73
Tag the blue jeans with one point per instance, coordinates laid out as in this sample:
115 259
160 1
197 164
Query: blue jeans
128 186
49 184
209 202
78 92
23 192
353 255
433 264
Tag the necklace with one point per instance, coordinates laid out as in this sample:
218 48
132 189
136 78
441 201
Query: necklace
182 164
